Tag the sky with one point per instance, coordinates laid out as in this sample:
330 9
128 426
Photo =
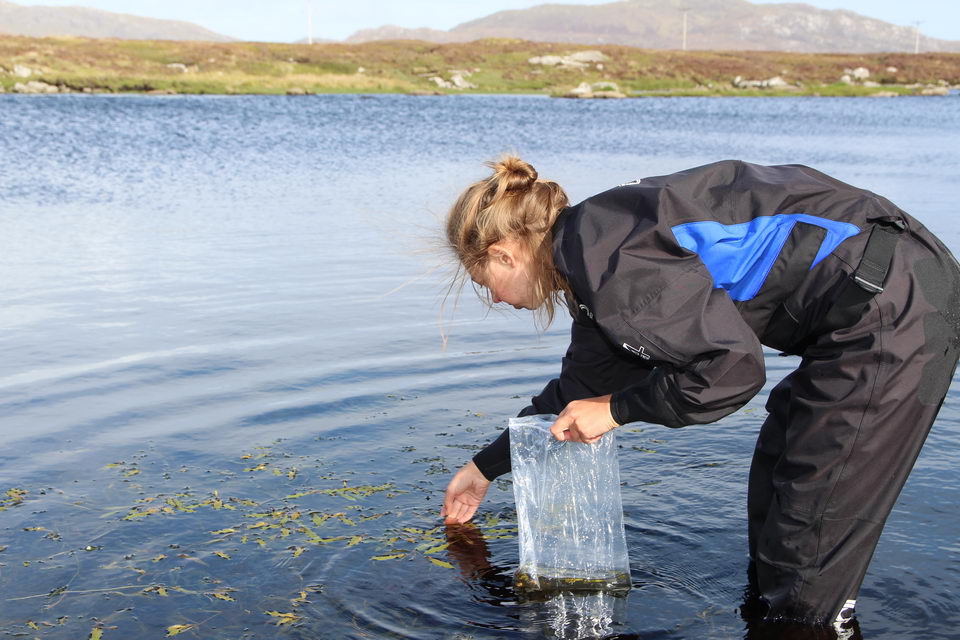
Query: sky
286 20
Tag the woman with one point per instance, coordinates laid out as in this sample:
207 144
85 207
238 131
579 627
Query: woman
674 283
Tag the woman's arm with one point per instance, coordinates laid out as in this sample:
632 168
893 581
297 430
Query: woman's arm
708 361
591 367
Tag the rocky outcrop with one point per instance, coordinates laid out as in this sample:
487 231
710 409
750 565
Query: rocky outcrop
776 82
860 73
457 80
35 86
578 60
852 76
601 90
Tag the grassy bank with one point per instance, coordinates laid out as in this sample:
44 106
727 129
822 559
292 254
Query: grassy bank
484 66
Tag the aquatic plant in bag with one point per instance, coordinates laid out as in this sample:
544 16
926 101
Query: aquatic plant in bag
569 512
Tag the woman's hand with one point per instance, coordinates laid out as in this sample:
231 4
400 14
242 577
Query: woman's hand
464 494
584 420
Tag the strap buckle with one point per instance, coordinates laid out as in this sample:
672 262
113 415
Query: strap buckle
869 286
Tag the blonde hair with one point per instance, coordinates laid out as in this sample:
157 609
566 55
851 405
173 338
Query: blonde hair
514 204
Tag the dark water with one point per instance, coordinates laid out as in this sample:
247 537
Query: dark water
224 401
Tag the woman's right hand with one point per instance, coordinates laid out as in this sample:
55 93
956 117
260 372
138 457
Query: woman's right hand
464 494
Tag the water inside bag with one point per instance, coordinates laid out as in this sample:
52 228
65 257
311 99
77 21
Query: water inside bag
569 512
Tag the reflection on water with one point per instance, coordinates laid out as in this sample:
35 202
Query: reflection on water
217 419
574 616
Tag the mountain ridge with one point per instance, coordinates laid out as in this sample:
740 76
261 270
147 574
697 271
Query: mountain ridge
42 21
736 25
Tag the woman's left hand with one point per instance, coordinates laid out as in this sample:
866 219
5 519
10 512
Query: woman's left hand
584 420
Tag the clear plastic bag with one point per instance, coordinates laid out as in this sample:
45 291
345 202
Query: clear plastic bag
569 511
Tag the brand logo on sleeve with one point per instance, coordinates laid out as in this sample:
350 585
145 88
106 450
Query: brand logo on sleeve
637 351
586 310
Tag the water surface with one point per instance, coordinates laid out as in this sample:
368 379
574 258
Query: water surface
225 402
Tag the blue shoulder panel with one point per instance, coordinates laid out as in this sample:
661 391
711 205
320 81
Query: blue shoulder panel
740 256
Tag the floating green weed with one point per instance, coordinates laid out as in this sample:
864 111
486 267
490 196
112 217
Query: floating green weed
12 497
179 544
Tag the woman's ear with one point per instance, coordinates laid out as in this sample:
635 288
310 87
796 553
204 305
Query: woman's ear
502 254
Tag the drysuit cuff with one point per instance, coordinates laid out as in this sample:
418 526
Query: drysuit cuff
618 411
494 459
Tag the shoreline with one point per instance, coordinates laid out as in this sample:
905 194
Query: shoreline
71 65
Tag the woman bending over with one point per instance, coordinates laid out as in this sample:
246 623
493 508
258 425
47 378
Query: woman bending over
674 282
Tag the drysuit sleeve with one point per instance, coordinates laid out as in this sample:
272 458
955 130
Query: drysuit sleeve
591 367
707 362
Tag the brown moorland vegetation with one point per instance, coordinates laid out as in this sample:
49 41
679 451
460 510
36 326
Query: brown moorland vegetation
483 66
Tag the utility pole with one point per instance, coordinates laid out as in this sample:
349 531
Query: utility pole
916 42
309 22
684 10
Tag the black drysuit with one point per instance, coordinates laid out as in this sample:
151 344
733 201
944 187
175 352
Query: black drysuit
676 282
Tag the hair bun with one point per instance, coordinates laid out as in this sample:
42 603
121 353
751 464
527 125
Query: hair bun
511 174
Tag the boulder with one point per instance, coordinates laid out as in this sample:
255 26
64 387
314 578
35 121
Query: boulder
846 79
891 69
884 94
21 71
609 94
935 91
440 82
583 90
871 83
774 82
178 66
860 73
296 91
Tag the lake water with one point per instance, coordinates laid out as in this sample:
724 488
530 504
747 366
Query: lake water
227 410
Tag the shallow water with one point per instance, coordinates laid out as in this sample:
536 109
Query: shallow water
223 314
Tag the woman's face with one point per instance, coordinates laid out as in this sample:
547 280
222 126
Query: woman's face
507 275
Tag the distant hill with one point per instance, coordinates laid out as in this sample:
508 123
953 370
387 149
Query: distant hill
17 19
657 24
315 41
393 32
